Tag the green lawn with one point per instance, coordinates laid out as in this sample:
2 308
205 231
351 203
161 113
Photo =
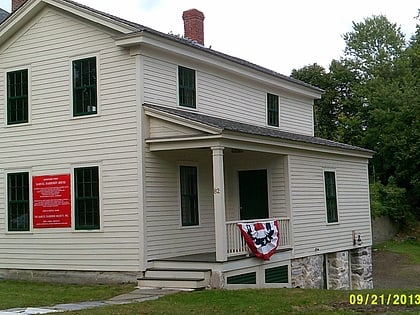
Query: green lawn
267 301
24 294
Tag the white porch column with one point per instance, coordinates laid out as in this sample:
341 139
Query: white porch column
219 203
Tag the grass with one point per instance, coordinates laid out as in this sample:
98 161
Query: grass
263 301
26 294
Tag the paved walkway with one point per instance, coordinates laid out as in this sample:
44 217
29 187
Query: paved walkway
138 295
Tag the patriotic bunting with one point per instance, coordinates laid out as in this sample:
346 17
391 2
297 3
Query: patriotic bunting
261 237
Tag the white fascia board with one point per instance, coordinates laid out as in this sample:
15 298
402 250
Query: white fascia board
145 38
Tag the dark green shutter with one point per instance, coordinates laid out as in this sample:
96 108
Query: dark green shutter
186 82
86 181
272 110
84 87
18 201
17 97
277 275
331 197
189 195
245 278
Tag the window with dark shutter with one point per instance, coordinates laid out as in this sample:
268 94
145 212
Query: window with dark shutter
18 201
186 86
272 110
17 97
331 197
86 181
189 195
84 87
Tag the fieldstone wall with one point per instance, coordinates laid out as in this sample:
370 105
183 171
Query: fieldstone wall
308 272
338 270
361 268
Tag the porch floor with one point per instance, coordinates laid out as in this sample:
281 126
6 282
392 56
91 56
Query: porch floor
203 257
210 257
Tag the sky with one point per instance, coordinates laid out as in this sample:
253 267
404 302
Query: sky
281 35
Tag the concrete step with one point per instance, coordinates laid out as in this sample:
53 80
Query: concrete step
175 278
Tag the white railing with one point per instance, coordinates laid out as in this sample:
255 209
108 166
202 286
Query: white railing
236 244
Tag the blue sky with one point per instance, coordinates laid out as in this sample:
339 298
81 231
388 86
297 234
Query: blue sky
279 35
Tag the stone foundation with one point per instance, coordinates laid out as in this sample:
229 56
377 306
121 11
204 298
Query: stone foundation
343 270
361 268
338 271
308 272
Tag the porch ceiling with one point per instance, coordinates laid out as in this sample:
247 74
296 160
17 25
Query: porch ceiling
199 131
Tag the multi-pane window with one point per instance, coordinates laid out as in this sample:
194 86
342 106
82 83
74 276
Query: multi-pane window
331 196
86 186
18 201
189 195
17 97
272 110
186 85
84 87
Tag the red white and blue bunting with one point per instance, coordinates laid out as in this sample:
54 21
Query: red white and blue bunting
261 237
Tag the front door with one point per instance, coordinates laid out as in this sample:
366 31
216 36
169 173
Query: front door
253 194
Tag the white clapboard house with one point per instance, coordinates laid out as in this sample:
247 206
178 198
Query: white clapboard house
127 153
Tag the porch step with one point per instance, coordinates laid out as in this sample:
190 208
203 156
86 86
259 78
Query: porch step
175 278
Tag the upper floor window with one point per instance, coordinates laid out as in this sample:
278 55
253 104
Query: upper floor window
272 110
186 85
86 188
84 87
331 196
18 201
189 195
17 97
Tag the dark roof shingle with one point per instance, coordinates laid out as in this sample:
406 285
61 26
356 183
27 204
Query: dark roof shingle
3 15
230 125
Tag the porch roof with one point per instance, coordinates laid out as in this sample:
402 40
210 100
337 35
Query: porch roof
219 126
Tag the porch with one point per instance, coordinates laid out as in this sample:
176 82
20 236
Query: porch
240 270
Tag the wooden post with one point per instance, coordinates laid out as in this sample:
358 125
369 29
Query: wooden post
219 203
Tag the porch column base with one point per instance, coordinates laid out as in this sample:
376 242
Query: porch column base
219 203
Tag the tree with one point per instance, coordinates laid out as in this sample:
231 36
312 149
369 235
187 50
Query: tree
372 100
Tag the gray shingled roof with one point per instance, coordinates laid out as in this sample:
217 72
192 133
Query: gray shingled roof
230 125
3 15
142 28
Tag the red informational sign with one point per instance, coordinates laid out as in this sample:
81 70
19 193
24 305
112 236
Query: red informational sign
52 203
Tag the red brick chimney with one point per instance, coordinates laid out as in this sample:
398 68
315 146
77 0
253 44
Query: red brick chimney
193 25
16 4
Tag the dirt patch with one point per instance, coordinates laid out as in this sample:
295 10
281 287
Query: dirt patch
394 271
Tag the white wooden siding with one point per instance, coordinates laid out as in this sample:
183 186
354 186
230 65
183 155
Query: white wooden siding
224 97
54 142
165 235
309 218
160 128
